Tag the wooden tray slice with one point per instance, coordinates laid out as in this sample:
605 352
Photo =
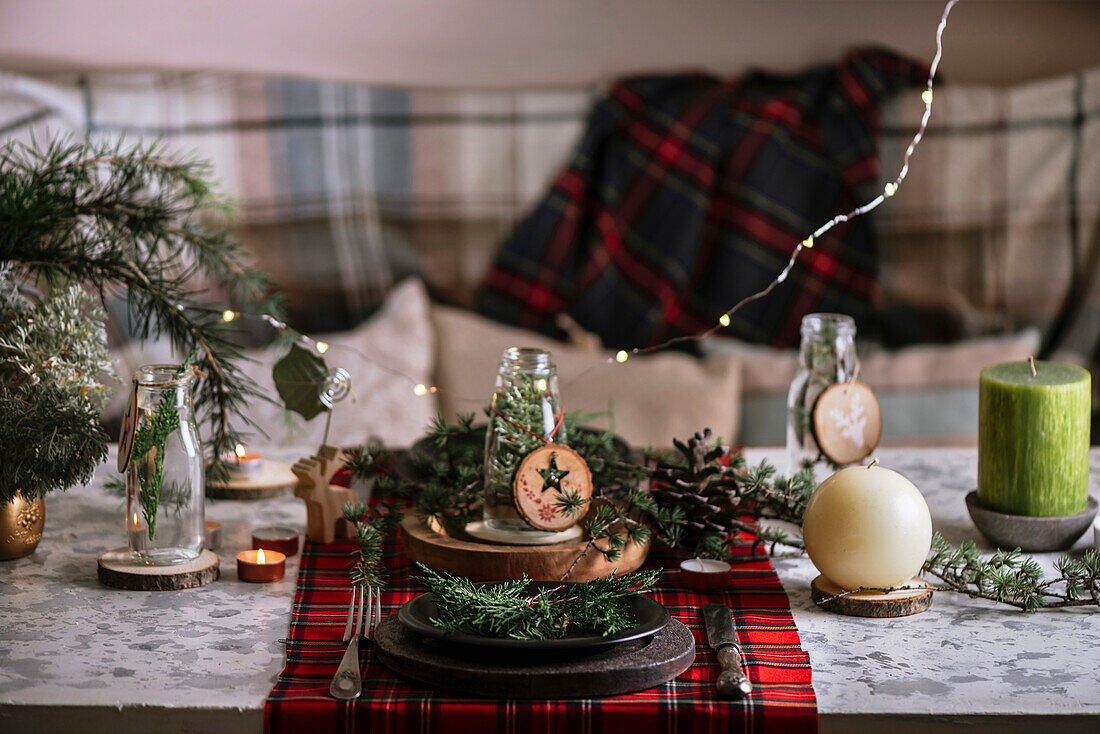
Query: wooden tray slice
273 480
490 562
631 666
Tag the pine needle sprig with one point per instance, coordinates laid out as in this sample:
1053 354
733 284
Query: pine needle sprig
510 610
369 461
372 525
515 407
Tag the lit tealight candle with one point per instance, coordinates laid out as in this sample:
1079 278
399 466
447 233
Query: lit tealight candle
244 464
260 566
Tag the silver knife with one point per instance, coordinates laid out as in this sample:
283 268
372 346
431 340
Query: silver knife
732 681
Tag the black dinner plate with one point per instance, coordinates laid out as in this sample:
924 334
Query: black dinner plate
650 618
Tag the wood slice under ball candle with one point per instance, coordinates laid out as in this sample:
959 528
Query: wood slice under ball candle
1033 438
869 527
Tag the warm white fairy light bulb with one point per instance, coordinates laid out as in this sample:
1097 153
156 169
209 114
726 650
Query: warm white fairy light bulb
621 356
724 320
322 347
228 315
420 389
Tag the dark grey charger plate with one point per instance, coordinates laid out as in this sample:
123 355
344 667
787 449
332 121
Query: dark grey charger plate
627 667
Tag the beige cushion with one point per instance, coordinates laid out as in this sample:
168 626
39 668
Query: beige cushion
655 398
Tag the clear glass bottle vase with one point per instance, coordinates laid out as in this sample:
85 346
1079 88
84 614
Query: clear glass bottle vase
525 413
827 355
165 482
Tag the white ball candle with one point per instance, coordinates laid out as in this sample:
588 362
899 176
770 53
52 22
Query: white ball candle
867 526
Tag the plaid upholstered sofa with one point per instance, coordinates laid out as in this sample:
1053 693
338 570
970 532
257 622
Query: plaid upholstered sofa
378 210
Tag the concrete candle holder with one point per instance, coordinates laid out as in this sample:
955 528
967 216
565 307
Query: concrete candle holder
1032 534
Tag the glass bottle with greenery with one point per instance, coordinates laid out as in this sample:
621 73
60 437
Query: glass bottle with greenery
827 356
525 413
165 481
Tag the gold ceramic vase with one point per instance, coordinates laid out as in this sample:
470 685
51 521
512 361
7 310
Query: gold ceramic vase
21 523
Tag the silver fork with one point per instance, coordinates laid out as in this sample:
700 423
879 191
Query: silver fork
348 684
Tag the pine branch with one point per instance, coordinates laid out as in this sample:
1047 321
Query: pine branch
515 410
131 221
1009 577
371 527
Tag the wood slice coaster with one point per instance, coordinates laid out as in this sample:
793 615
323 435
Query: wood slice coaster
847 422
490 562
118 569
872 603
631 666
273 480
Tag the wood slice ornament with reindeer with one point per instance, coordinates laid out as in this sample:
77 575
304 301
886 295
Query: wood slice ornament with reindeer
546 475
847 422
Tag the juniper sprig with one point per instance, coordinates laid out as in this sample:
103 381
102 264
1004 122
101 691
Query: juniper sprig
149 450
512 609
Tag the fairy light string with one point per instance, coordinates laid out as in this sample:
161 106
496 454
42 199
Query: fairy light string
889 190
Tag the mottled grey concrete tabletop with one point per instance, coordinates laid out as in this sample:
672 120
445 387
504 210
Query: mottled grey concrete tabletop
76 653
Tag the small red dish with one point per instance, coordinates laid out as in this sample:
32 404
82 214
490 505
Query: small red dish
283 540
704 574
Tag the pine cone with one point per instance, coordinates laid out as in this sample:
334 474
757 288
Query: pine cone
705 491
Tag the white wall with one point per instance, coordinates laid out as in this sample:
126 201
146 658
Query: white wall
539 42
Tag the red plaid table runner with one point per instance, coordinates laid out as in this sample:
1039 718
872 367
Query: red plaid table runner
782 699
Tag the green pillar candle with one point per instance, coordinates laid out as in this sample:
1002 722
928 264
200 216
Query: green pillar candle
1033 438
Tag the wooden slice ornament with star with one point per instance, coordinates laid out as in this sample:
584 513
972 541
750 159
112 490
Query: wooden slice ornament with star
847 422
546 476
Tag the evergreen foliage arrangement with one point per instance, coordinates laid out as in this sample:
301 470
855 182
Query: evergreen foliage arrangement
140 223
53 356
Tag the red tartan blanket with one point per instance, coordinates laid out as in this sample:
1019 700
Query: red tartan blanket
688 192
782 700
